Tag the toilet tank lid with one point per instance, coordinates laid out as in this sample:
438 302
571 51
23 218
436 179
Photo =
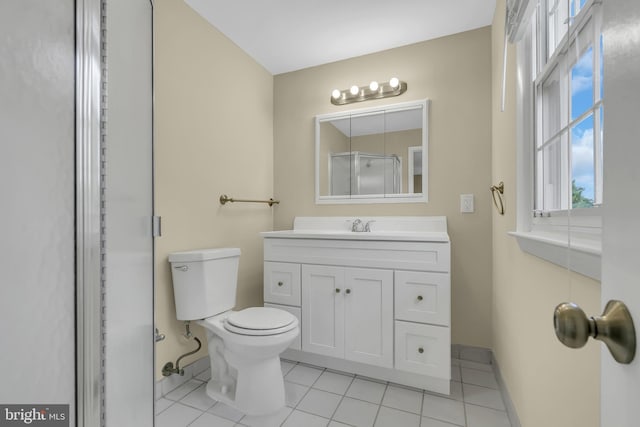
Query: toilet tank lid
203 254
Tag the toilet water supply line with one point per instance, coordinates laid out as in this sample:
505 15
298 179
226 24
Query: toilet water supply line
168 368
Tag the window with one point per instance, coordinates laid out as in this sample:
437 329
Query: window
560 117
567 81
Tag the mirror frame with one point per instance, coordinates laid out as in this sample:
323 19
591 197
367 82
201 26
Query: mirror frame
387 198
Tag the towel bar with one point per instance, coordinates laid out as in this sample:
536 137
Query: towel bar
224 199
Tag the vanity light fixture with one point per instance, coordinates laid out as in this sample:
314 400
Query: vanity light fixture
373 90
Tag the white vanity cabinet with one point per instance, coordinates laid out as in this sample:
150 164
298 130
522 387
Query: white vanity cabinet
372 303
346 312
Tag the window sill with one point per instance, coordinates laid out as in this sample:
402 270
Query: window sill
582 255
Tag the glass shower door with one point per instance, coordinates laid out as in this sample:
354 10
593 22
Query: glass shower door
37 283
129 345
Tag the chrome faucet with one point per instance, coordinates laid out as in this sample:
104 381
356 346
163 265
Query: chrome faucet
367 226
357 226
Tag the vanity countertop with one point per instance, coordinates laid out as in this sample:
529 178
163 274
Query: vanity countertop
406 236
407 229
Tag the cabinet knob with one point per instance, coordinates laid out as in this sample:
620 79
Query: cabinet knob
337 290
280 283
420 350
419 297
348 291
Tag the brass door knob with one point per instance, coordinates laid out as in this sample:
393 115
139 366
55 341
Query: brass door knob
614 328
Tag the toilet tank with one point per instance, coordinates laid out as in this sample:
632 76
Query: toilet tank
204 281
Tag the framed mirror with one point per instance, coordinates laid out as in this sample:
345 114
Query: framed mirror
373 155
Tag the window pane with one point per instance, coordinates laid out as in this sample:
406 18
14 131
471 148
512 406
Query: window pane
582 164
552 166
551 111
598 164
557 23
582 84
576 6
601 68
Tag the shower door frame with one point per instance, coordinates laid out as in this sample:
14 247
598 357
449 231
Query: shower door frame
90 197
89 381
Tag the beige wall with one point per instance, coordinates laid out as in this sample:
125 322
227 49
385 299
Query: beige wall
550 385
213 136
455 73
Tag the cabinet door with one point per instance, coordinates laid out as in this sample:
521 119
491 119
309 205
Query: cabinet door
323 310
368 300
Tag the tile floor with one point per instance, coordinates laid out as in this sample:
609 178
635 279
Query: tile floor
319 397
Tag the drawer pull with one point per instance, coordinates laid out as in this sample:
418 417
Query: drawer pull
348 291
337 290
420 350
419 297
280 283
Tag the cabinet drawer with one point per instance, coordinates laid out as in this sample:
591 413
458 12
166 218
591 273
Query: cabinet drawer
423 297
423 349
297 343
282 283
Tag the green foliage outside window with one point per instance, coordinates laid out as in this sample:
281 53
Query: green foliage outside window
579 201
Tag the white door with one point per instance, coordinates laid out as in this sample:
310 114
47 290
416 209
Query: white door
323 310
368 304
620 385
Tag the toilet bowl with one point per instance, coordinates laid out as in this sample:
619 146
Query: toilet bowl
244 346
248 376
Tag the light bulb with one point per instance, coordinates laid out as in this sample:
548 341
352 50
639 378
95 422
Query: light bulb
335 94
373 86
394 82
354 90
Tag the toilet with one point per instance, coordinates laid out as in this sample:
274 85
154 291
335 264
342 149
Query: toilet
245 345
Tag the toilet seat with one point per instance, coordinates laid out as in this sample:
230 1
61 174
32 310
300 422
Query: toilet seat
258 321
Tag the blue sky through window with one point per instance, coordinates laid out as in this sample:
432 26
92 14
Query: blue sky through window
582 161
582 146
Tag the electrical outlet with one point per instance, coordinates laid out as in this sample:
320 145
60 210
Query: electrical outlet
466 203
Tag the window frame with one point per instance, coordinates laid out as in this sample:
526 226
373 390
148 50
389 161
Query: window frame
570 238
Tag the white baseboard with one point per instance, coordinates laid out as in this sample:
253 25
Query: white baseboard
508 403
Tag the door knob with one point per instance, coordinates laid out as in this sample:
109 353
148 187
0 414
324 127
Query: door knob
614 328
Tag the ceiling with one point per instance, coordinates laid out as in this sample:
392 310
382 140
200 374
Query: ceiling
289 35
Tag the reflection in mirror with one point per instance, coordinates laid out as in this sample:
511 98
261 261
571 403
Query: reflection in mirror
372 155
414 173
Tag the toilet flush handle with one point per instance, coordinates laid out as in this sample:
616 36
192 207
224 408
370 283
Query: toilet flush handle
182 267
